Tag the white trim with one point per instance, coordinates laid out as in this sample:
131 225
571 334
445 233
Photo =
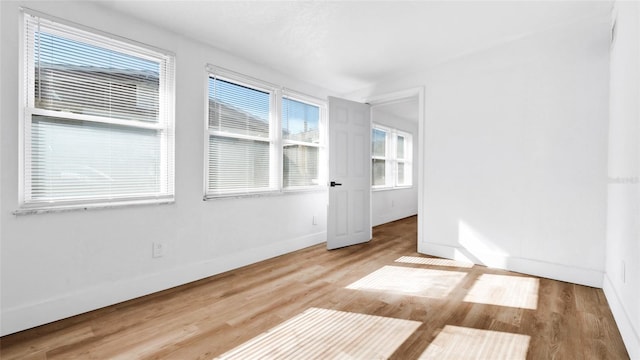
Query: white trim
239 136
92 206
217 73
147 125
303 143
241 79
205 134
277 172
555 271
630 335
25 88
321 145
307 99
288 191
25 316
136 44
388 188
394 96
397 96
244 193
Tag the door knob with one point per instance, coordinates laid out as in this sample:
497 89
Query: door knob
334 184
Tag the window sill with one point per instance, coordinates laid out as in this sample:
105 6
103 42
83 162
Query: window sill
294 191
43 209
392 188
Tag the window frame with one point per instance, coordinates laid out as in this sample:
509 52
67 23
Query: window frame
321 146
391 158
165 125
276 138
246 81
388 173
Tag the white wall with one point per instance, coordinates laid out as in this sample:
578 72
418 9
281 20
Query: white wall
60 264
390 205
515 153
622 278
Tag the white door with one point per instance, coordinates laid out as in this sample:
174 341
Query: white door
349 210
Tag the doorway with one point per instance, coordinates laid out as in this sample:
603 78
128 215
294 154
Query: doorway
397 115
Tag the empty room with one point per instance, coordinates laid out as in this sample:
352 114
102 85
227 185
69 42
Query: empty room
319 179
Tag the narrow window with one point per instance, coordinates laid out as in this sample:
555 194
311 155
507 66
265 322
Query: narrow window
379 153
301 143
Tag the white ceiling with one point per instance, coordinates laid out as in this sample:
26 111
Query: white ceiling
347 46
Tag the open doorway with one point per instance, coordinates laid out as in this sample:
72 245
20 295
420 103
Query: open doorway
394 169
397 128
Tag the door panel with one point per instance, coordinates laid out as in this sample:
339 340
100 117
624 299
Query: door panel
349 210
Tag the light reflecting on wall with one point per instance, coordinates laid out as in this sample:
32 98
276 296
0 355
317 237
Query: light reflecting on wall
455 342
504 290
410 281
328 334
480 248
433 261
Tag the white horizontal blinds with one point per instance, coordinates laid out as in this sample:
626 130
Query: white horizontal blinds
238 164
98 117
240 147
238 109
79 159
379 154
301 139
79 72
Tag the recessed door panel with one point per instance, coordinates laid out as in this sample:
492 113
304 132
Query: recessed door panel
349 210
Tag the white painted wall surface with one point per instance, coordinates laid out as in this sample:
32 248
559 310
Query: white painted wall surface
61 264
393 204
515 153
622 278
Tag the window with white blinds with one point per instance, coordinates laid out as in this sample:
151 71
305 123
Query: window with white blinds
248 150
391 158
241 150
98 117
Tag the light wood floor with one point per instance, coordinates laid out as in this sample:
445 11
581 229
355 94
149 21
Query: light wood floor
424 308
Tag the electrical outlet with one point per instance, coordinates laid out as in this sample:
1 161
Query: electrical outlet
314 221
624 273
158 250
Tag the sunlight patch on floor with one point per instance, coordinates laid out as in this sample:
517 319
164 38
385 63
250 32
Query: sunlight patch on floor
433 261
410 281
455 342
328 334
503 290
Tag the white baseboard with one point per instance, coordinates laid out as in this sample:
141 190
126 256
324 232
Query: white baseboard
576 275
389 217
630 335
34 314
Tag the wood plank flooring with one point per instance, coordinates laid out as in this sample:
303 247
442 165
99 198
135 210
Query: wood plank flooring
442 309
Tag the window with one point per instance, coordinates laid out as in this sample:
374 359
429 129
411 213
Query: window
301 143
245 142
98 118
241 145
391 152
